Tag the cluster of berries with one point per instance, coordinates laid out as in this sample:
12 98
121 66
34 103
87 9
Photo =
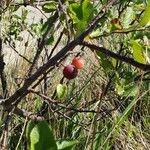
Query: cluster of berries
71 71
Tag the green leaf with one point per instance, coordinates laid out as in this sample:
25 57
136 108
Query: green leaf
95 33
81 25
138 51
119 89
49 7
42 138
50 40
16 17
24 14
131 90
114 62
66 144
29 127
126 89
87 10
146 18
45 25
76 12
81 14
61 91
35 28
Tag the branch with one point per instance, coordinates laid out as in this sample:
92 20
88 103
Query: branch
48 100
2 72
42 43
25 114
26 59
141 76
144 67
56 44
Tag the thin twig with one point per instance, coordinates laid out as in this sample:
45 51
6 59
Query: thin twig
25 114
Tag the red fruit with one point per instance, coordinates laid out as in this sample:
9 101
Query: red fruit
70 72
78 62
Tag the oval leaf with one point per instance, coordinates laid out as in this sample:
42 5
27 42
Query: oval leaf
131 90
146 18
29 128
87 10
49 7
138 52
41 137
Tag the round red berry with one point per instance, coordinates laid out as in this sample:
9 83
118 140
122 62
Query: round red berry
70 72
78 62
